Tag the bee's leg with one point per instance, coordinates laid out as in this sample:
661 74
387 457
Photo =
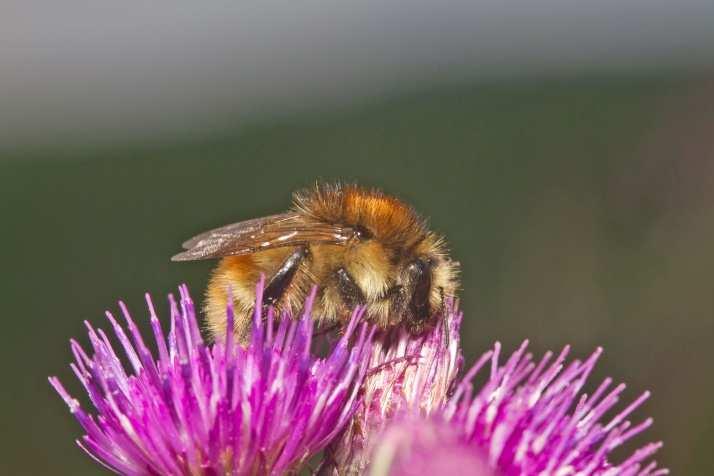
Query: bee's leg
280 281
321 331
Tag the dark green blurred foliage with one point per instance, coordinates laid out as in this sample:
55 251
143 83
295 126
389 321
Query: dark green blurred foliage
581 212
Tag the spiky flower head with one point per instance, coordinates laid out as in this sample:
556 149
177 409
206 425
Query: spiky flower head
219 409
528 419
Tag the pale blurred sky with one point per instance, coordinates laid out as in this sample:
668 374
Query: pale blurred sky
92 71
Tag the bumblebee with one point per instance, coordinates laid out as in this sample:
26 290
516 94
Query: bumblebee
359 246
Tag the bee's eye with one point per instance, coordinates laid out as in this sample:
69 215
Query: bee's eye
420 271
351 293
362 233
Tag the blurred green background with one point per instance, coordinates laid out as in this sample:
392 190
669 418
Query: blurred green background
582 211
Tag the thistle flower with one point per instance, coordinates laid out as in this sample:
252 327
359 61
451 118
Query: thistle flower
389 404
528 419
220 409
408 374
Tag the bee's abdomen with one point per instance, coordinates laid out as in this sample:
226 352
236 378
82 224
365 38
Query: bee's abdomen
238 276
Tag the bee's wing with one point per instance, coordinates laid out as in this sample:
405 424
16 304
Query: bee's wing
235 230
286 229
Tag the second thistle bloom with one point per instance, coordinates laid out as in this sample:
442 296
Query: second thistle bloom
222 409
529 418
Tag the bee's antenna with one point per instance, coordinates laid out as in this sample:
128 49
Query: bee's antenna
447 331
445 319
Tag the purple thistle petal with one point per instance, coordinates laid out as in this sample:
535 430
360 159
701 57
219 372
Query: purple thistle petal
224 409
